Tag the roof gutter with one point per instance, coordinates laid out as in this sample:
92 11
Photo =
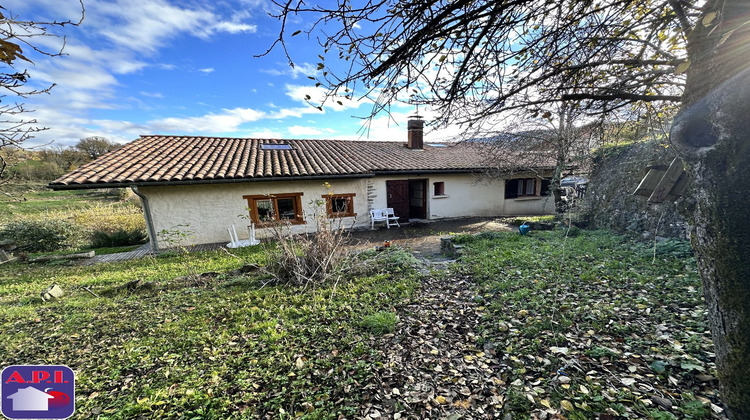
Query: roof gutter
149 220
431 171
201 182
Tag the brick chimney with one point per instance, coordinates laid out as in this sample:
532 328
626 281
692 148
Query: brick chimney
415 140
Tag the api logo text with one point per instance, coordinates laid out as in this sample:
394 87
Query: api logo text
37 392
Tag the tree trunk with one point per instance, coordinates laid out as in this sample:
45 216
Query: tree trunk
713 134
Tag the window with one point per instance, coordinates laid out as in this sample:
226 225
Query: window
526 187
275 146
340 205
438 189
266 209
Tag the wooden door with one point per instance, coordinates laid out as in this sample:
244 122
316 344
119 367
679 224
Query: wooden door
398 197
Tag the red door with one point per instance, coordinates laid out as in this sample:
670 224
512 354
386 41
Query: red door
398 197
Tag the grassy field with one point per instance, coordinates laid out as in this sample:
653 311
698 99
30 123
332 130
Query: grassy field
225 347
31 200
587 324
31 211
595 324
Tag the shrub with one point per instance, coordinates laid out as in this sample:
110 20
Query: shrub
119 237
40 235
307 259
572 232
109 218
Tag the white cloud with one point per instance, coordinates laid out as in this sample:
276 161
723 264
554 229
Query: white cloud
297 130
152 94
299 69
235 28
318 94
264 134
229 120
393 127
207 70
293 112
147 25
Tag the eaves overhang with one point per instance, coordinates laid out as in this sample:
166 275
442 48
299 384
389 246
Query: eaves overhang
59 187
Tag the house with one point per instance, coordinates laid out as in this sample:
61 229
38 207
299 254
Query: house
204 185
30 399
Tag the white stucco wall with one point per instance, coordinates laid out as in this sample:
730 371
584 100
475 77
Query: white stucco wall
529 206
206 211
465 195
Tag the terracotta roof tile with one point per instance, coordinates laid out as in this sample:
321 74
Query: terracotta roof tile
177 159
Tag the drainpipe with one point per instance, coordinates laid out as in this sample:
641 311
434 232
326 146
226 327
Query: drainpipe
149 221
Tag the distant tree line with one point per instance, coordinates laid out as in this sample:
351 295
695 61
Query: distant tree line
47 164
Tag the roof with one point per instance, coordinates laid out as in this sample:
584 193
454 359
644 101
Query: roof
168 160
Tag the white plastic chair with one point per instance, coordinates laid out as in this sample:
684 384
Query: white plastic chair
235 242
378 215
392 218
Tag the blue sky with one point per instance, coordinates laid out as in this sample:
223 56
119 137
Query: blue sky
136 67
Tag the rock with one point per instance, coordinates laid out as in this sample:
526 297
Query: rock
662 402
52 292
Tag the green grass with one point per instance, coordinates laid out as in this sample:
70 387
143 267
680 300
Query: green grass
380 323
231 348
603 311
47 201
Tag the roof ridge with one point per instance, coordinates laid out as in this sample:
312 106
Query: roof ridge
265 139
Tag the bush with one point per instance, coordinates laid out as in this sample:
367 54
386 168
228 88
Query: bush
120 237
109 218
307 259
39 235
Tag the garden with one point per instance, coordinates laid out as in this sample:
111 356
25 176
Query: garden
564 323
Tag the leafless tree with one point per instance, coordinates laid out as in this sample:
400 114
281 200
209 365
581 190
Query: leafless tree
472 60
17 37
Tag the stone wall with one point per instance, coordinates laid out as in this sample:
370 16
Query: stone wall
610 202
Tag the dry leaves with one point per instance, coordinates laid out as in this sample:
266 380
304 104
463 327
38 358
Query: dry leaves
433 364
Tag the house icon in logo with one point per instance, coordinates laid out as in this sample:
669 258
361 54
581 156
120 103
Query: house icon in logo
30 399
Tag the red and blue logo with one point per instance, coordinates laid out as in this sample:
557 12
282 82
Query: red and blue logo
37 392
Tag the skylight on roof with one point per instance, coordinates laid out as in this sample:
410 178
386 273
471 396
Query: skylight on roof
275 146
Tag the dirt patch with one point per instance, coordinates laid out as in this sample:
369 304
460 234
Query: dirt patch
423 238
